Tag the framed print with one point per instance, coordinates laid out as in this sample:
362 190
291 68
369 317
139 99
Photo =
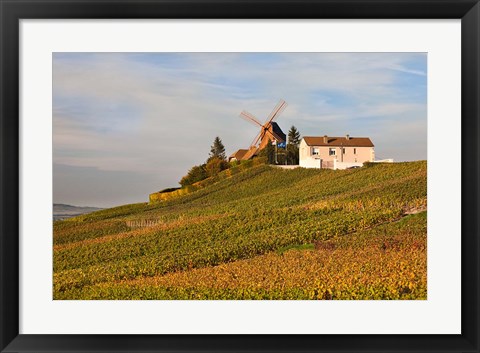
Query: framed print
231 176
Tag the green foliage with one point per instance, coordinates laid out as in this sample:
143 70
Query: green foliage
215 165
293 151
243 214
233 169
293 154
195 174
293 136
268 153
281 156
386 262
217 150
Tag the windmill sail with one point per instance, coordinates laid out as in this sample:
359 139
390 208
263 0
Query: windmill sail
269 131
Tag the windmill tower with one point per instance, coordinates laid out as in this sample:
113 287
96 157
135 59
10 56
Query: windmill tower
269 131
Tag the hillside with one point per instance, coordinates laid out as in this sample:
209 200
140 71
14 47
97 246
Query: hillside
264 233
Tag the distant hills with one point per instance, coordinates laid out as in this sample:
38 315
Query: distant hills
62 211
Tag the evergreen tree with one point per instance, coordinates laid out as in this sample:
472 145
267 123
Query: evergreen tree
293 150
294 136
217 150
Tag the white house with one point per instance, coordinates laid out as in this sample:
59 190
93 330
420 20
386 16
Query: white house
335 152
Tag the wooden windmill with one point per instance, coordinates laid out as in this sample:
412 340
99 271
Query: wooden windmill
269 131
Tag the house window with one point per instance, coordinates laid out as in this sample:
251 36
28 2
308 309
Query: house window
354 151
315 151
332 152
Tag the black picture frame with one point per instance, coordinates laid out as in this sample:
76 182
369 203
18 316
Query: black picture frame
12 11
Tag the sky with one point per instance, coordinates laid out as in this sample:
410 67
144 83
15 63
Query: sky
129 124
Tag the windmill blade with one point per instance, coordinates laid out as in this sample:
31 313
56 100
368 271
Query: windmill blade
279 108
250 153
274 135
263 135
250 117
256 139
260 136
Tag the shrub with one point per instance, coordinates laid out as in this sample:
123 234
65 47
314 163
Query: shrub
196 173
215 165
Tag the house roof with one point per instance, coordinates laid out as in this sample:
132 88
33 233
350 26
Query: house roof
252 152
338 141
276 129
238 155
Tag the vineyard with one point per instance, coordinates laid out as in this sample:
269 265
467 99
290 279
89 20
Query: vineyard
262 233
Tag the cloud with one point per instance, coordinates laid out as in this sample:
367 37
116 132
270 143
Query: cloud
157 114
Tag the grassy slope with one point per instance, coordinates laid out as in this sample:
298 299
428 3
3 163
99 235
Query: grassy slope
251 214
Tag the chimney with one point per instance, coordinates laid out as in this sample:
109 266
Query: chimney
325 139
347 137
